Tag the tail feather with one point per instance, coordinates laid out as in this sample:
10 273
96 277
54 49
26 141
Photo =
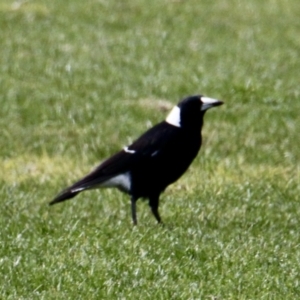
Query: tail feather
64 195
90 181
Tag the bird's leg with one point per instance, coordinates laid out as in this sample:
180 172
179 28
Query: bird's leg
133 210
153 203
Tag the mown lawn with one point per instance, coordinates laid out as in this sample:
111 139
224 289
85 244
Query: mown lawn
81 79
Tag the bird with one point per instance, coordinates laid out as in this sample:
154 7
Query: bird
152 162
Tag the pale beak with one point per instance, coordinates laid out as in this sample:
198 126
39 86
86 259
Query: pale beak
209 103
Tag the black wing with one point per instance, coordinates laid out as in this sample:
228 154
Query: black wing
140 150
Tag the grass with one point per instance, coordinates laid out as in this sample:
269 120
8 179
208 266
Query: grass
80 79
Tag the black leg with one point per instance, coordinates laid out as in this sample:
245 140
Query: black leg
133 210
153 203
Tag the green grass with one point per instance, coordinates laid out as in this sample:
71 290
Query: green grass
81 79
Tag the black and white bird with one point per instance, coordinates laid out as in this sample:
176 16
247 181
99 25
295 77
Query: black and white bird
156 159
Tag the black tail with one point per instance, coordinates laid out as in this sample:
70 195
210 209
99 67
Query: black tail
92 180
64 195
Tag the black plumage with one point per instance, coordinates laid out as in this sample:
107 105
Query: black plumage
152 162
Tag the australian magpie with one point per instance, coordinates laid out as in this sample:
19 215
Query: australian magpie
156 159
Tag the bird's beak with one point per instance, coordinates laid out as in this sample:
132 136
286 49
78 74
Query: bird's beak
209 103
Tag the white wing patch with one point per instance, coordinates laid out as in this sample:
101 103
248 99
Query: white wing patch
121 181
173 117
78 189
127 150
154 153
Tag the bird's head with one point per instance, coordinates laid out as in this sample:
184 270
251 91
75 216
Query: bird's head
189 112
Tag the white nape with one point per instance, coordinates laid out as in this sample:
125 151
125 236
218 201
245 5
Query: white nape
207 102
173 117
127 150
121 181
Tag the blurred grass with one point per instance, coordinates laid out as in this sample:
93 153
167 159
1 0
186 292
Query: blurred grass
80 79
